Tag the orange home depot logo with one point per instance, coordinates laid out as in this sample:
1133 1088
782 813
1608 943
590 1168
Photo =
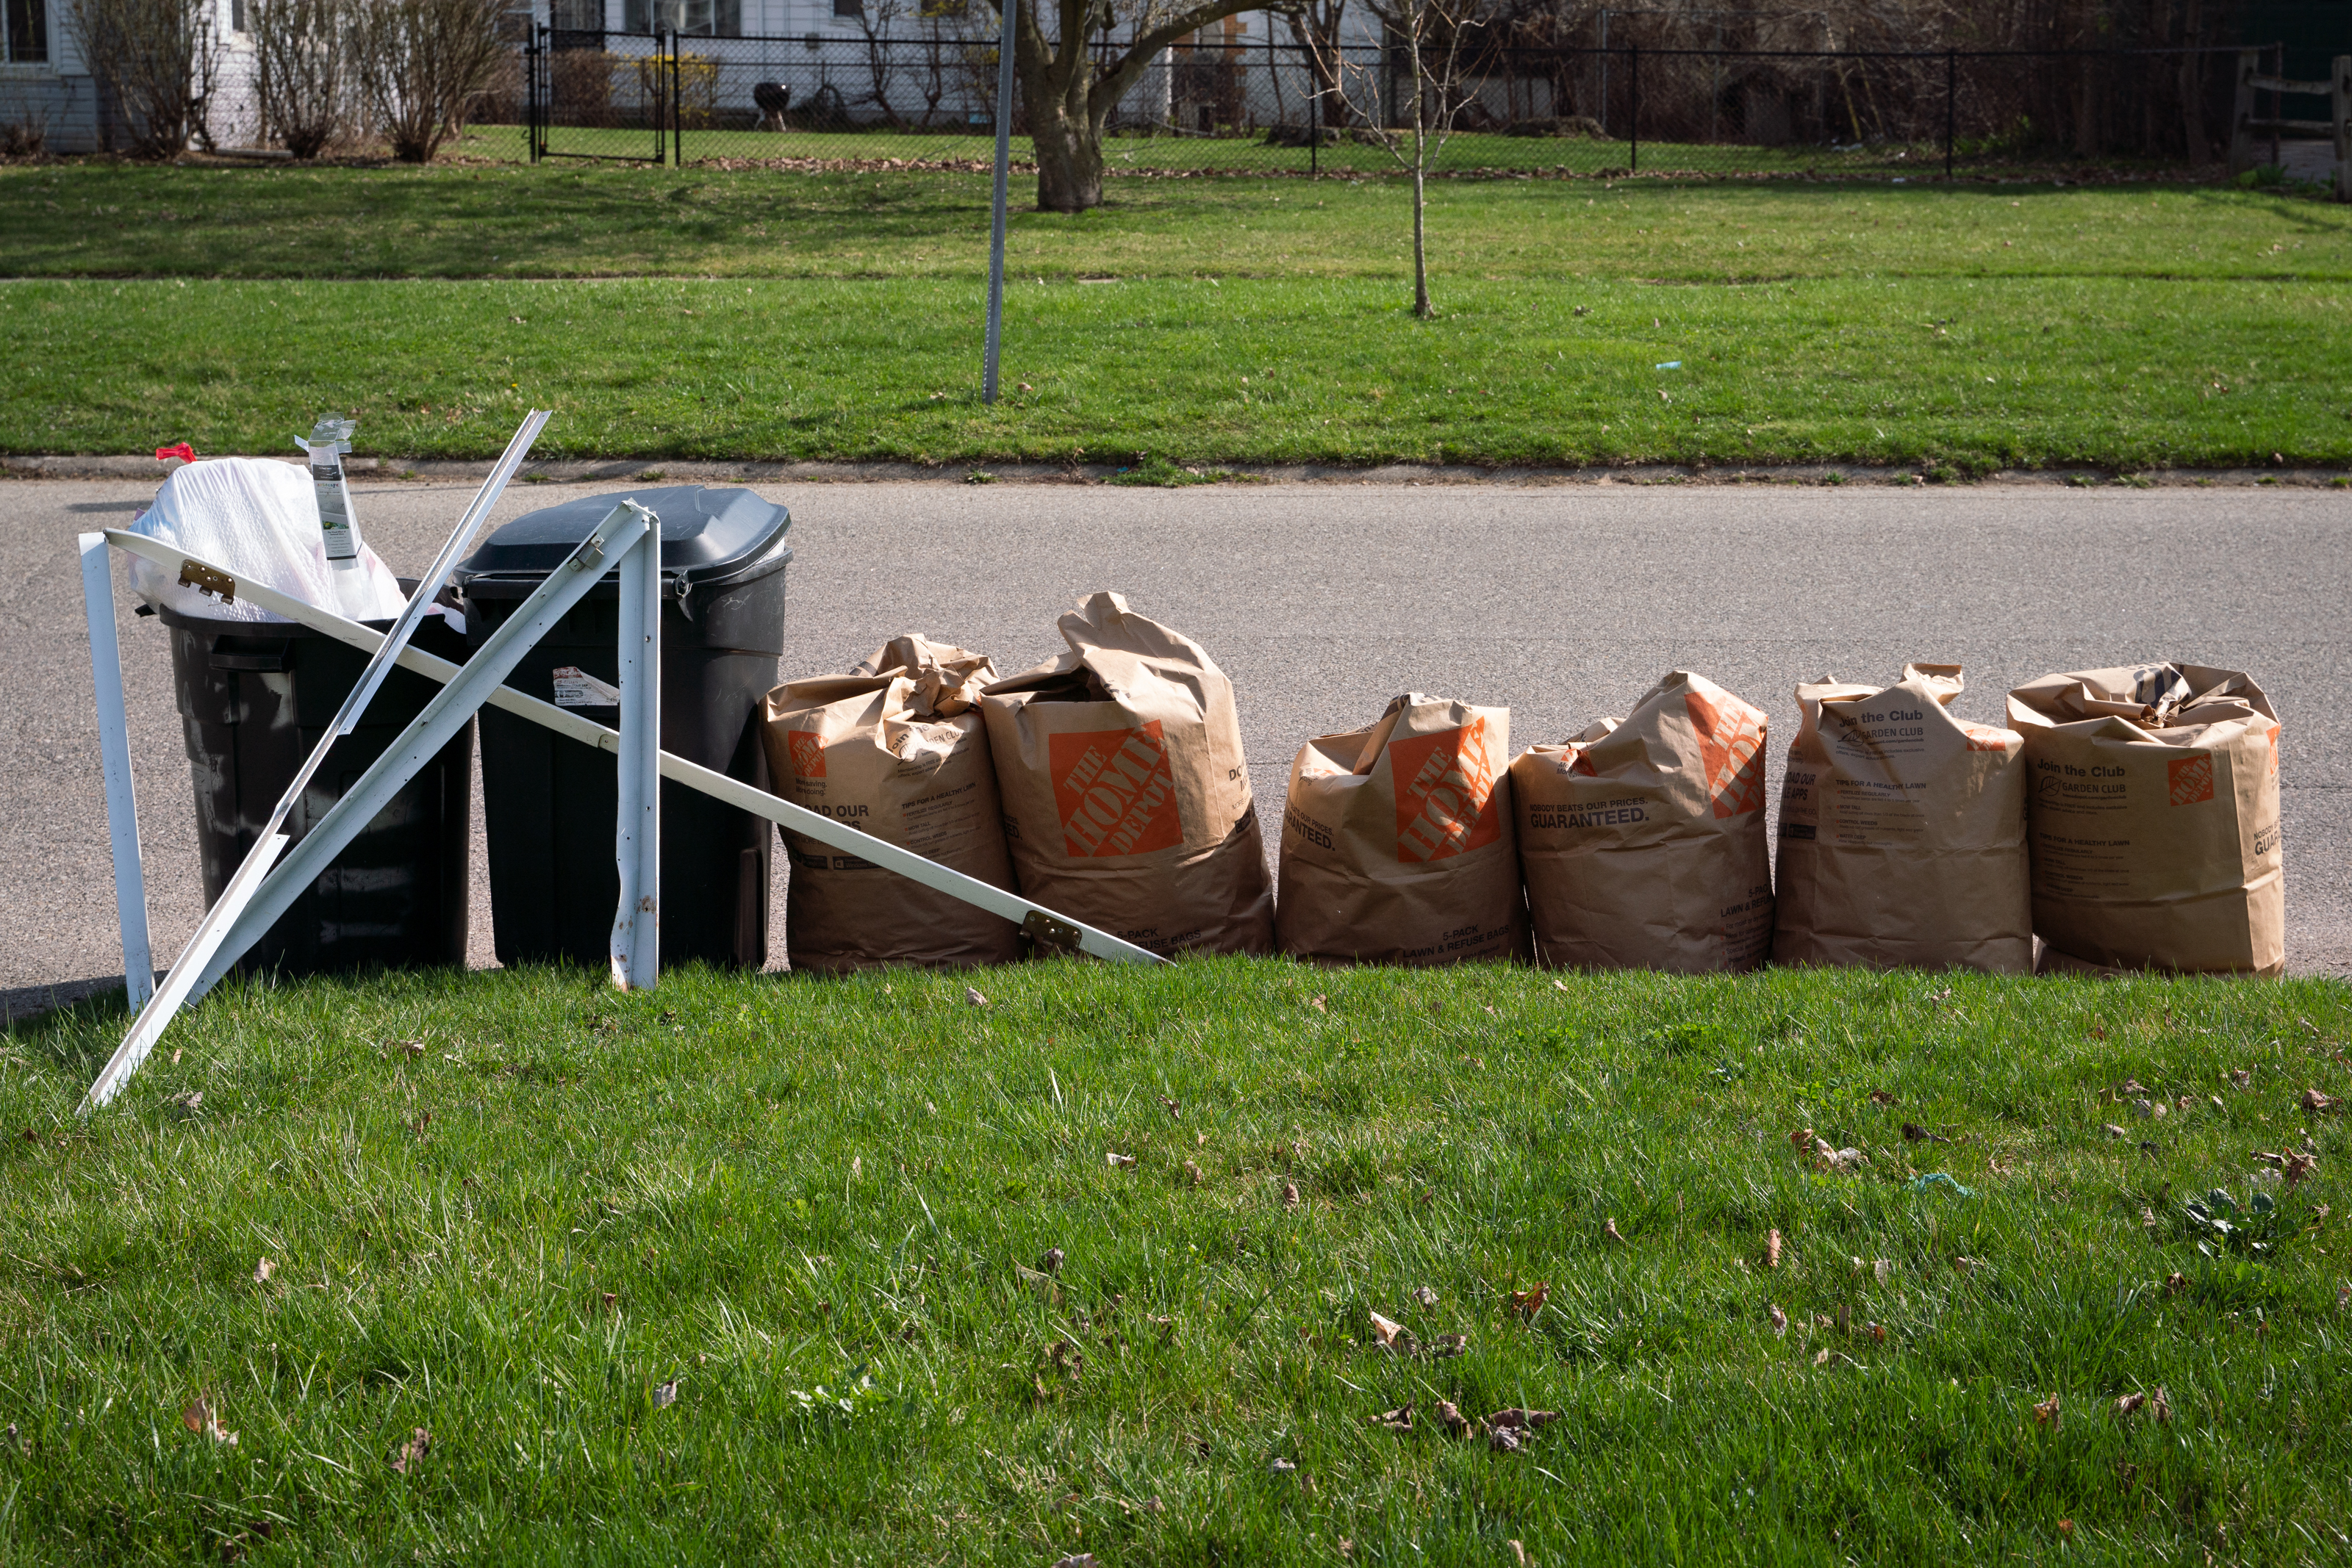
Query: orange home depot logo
1731 746
1445 793
1983 739
2191 778
807 750
1114 791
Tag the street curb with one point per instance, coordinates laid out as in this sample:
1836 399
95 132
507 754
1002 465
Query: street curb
573 471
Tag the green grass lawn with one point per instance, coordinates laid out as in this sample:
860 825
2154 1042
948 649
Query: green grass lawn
758 314
817 1213
1483 151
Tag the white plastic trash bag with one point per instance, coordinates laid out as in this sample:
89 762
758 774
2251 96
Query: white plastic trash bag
259 519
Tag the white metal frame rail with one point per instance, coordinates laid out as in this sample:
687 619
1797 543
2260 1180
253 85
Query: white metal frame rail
638 829
264 888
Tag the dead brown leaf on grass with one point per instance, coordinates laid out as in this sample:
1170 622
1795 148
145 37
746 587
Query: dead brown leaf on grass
1290 1195
1609 1229
1424 1296
1526 1303
1191 1173
1450 1417
1881 1097
410 1454
666 1394
1912 1133
200 1417
2175 1282
1316 1003
1118 1161
1780 1320
2130 1404
1392 1334
2313 1100
1397 1420
1771 1250
1175 1112
972 998
1518 1416
262 1270
2047 1413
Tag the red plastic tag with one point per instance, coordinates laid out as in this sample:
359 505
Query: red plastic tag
183 452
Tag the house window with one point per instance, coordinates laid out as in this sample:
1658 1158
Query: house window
577 15
25 32
850 9
695 18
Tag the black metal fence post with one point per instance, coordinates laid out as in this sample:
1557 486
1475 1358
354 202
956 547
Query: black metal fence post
1951 83
2278 105
1634 125
676 102
1314 118
540 74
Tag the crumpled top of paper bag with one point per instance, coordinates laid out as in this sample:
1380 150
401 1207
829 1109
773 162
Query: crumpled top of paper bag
1113 652
2151 695
944 681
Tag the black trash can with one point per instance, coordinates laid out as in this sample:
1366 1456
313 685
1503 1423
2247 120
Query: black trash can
255 697
549 802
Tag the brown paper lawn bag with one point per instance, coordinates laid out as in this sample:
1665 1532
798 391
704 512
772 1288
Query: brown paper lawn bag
1643 841
897 749
1902 832
1397 842
2155 819
1127 800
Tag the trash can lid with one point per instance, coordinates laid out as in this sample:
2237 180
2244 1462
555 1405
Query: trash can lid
710 534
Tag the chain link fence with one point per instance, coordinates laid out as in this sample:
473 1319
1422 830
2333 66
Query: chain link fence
929 101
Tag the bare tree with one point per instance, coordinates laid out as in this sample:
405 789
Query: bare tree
423 62
875 18
1315 26
303 69
159 60
940 20
1072 80
1430 35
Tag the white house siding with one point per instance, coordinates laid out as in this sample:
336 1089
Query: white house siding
62 96
805 46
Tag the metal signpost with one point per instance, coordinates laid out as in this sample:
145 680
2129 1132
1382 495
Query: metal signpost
996 222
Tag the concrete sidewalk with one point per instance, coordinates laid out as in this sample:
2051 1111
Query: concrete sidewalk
1322 602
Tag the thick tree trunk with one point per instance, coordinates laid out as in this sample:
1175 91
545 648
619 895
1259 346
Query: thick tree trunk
1069 162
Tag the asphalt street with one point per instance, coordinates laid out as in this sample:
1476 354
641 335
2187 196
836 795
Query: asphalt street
1322 602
